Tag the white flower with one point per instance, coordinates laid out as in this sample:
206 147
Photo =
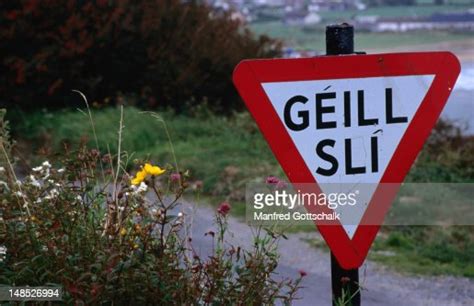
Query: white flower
34 181
46 174
180 215
79 198
61 170
46 164
2 169
3 252
39 201
19 194
18 182
142 188
53 193
37 169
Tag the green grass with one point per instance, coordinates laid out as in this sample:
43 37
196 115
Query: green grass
427 250
300 38
223 152
422 250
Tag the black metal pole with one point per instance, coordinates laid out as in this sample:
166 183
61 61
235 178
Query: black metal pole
340 40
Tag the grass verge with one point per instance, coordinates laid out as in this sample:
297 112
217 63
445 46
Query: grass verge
226 153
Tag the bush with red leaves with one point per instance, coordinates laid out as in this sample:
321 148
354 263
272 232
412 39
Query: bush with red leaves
167 53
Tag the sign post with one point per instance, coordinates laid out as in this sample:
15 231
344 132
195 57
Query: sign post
340 40
347 122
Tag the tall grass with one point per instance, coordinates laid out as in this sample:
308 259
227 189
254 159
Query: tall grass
222 151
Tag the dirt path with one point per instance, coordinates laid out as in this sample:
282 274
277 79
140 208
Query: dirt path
382 286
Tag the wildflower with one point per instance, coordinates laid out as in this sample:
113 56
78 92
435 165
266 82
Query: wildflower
123 232
175 177
198 185
46 164
139 177
34 182
180 215
302 273
142 188
53 193
61 170
3 252
273 180
18 182
2 169
33 218
281 185
224 208
19 194
107 158
153 170
37 169
135 246
345 280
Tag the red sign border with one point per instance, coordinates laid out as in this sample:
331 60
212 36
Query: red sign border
249 74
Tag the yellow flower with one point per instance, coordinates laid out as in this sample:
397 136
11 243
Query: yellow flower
153 170
135 246
139 177
123 232
148 169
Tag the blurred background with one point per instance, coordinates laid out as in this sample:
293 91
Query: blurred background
176 57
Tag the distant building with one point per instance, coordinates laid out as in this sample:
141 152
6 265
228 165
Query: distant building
438 21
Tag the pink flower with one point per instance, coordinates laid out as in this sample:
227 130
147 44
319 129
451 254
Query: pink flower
175 177
224 208
302 273
281 185
198 185
272 180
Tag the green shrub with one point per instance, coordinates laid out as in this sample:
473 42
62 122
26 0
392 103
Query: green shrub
166 53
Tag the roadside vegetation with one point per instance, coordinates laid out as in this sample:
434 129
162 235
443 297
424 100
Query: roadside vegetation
228 152
79 220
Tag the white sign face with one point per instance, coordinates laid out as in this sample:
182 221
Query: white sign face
347 130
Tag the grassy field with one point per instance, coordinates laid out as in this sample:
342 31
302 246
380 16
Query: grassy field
227 153
223 152
300 38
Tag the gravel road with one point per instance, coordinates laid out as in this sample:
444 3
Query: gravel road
381 286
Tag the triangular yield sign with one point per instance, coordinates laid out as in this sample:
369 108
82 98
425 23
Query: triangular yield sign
348 120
